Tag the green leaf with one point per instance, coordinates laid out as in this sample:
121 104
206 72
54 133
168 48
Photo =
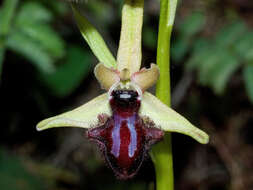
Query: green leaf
223 71
248 78
57 7
68 75
201 52
192 24
244 48
32 12
94 40
214 65
31 50
230 33
46 37
7 13
211 61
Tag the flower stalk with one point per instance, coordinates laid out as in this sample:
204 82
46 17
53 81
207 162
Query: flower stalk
162 152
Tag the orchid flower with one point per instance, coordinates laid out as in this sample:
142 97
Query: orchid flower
126 120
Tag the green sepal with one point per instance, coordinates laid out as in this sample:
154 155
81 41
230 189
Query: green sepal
85 116
94 39
168 119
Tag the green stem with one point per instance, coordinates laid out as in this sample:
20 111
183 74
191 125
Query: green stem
129 53
6 15
162 158
162 152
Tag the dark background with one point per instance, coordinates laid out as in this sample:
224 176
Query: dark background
48 69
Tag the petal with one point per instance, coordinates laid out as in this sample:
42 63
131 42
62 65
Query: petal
84 116
106 76
145 78
168 119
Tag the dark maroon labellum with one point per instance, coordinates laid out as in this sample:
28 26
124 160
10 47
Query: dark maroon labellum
124 138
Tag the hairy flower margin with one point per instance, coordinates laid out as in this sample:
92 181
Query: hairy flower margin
164 118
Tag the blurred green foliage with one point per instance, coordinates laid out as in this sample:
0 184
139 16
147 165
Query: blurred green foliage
14 175
215 58
68 76
61 66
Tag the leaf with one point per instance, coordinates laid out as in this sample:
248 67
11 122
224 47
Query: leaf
68 75
31 50
211 61
215 66
201 51
190 27
7 13
248 78
57 7
32 12
169 120
94 40
48 38
85 116
222 72
192 24
244 48
230 33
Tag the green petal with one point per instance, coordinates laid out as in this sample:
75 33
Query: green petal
84 116
168 119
